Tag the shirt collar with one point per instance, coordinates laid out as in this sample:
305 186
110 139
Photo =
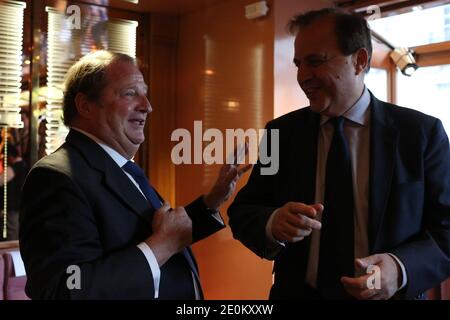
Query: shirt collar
358 112
117 157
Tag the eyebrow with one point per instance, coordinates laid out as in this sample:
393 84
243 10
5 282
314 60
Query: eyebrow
316 55
134 85
311 56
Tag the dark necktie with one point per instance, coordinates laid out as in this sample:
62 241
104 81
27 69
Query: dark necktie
336 256
139 176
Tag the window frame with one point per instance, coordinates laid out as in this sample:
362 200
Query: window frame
426 56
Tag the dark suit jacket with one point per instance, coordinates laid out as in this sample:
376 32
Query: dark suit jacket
409 196
80 208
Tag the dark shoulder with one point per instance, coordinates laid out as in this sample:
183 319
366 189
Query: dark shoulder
410 119
65 160
413 127
292 119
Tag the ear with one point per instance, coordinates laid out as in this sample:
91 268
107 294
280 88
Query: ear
83 105
360 60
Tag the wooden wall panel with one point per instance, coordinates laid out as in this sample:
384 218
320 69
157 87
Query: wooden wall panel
162 93
225 79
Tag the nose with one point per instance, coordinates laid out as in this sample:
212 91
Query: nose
304 74
145 105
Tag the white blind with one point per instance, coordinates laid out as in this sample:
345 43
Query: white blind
65 46
11 38
59 61
122 36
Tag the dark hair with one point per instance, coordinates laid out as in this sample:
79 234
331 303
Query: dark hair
88 76
351 29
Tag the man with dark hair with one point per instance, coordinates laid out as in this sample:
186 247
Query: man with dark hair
92 227
360 207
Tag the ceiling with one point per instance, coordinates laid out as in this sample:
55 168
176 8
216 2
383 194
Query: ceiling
175 7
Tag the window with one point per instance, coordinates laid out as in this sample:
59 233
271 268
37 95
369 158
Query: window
415 28
427 91
376 81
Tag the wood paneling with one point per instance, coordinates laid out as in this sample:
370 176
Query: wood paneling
433 54
223 58
163 53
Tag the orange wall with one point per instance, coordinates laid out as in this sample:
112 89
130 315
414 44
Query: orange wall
224 57
163 39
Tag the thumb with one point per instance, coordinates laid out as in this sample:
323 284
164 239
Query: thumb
318 206
367 261
165 207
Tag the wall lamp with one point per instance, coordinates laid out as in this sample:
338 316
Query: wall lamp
404 60
401 56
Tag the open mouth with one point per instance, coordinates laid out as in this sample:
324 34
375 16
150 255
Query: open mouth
311 92
138 122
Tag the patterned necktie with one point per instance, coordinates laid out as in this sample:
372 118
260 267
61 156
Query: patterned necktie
139 176
336 256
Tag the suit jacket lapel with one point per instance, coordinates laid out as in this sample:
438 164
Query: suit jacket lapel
383 146
306 156
124 189
304 135
190 258
114 178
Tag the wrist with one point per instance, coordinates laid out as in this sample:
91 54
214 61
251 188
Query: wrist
162 248
211 202
399 271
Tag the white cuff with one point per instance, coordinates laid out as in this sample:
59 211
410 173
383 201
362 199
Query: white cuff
153 263
216 215
402 266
